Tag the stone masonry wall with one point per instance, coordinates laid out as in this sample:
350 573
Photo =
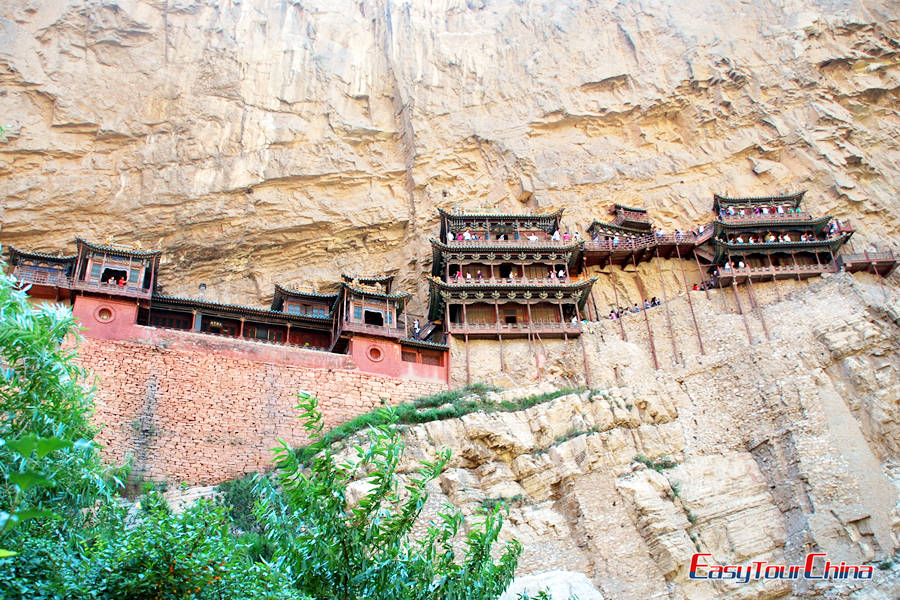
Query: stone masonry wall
183 412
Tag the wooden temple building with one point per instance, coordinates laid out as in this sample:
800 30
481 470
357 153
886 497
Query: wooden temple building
113 291
506 276
511 275
769 238
493 276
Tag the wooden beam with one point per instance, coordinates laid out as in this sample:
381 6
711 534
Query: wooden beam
666 305
690 302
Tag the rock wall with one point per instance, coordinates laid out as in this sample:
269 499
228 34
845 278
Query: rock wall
766 450
262 141
184 408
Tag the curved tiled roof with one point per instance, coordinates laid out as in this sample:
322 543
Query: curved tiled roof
16 252
423 344
236 308
366 290
117 249
498 215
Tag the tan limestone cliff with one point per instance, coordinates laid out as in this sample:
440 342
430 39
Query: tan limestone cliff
288 141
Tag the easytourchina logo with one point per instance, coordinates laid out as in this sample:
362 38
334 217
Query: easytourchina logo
816 566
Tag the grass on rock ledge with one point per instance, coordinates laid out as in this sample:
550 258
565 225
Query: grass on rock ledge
450 404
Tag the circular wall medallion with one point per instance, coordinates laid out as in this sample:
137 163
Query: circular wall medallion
104 314
375 354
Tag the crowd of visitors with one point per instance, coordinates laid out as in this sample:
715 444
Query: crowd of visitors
531 236
621 311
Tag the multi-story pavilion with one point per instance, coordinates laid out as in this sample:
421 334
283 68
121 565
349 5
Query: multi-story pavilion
507 275
771 237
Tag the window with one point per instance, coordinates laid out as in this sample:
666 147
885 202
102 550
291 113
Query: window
357 313
374 317
135 276
95 270
390 318
293 309
319 311
408 356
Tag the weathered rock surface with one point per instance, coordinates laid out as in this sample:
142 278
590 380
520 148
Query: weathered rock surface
749 452
262 141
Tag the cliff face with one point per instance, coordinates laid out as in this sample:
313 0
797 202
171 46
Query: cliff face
757 452
262 141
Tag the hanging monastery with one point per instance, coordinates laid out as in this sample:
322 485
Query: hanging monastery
196 390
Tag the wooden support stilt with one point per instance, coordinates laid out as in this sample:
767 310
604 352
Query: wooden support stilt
640 286
774 278
737 299
531 336
759 312
690 302
499 335
587 370
662 284
594 304
468 373
700 270
612 271
796 267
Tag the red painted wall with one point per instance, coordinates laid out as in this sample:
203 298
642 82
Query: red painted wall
375 355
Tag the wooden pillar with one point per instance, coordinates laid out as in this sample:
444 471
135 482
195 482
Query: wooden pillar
499 334
690 302
612 270
662 283
594 304
584 358
700 270
287 335
196 321
759 311
640 286
241 329
796 267
466 325
562 320
774 278
537 363
737 300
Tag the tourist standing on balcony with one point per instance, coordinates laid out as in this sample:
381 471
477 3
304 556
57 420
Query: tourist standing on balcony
561 274
556 237
467 235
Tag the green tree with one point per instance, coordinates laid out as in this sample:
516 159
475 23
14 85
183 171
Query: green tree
48 464
333 550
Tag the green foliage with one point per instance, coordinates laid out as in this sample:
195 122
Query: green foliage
449 404
239 497
153 555
303 543
331 549
659 465
48 466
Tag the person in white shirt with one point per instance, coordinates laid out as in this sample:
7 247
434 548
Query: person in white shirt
466 235
780 210
615 240
532 238
556 237
468 276
560 274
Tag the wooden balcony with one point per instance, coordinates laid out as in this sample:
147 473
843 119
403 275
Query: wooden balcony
545 328
129 290
376 330
752 217
642 248
880 262
514 281
35 276
500 244
741 275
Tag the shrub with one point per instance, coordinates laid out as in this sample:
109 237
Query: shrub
329 549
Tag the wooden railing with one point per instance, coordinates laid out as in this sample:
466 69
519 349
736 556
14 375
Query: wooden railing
42 277
385 330
738 218
536 326
535 281
885 255
522 241
778 270
129 289
632 216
